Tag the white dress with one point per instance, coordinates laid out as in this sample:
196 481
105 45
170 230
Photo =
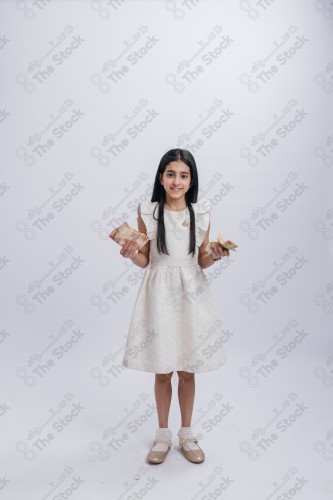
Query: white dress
174 324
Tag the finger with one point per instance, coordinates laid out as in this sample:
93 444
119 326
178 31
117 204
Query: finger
135 245
134 248
218 251
130 249
127 246
213 248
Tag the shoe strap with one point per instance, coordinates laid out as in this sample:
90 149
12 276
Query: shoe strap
162 440
187 439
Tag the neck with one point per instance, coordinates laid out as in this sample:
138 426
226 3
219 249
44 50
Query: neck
176 204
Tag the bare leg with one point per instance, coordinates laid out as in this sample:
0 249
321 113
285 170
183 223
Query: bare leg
186 392
163 393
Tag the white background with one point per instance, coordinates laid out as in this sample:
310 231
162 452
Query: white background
74 422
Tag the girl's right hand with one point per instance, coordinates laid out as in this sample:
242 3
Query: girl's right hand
130 249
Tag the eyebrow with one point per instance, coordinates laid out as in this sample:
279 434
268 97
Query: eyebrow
170 170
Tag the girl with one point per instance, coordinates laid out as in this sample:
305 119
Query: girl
174 324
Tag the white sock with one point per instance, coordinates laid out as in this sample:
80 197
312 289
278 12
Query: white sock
184 432
164 432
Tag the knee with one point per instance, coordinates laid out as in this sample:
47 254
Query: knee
185 376
163 377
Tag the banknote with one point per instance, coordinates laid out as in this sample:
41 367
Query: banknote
125 233
227 245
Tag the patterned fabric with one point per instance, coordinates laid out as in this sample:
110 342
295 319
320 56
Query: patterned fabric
174 324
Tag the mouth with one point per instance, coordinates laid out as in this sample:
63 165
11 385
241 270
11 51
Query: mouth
176 189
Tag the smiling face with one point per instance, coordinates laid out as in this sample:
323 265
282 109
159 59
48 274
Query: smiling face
176 180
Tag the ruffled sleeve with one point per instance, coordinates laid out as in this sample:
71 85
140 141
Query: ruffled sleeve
147 209
202 211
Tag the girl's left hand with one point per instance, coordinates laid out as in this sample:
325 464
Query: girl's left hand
218 251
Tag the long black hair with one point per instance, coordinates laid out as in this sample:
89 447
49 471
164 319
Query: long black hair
190 196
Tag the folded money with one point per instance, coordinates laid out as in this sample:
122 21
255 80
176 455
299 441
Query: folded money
227 245
125 233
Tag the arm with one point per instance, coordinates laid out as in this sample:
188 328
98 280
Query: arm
141 259
204 258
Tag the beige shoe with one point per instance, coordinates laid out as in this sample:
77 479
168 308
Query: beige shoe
194 456
157 457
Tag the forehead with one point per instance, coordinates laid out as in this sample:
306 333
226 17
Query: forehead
178 166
